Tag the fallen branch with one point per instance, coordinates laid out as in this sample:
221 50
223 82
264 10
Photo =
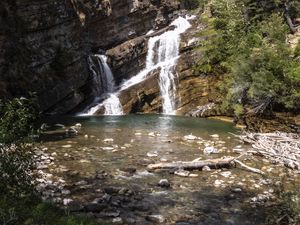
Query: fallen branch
195 165
251 169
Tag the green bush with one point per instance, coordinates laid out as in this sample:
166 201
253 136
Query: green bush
262 72
16 155
32 211
17 118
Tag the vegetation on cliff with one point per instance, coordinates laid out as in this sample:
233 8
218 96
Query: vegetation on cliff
248 45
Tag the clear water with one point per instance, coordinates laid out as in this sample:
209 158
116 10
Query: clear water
197 200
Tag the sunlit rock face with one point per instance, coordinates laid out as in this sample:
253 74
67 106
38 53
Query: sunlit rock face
192 90
44 45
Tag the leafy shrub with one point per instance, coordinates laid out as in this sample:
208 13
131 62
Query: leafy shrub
262 71
17 118
16 154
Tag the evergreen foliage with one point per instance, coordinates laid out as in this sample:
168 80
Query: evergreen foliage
250 48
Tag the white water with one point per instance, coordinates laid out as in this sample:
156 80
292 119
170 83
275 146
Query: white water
163 53
105 79
111 105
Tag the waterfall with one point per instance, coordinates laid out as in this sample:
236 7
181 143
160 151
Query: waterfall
104 82
102 75
163 53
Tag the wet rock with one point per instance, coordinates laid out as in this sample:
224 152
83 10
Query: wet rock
101 175
125 191
163 160
226 174
117 220
75 206
94 207
73 173
81 183
193 175
66 146
78 125
139 206
218 183
42 166
189 137
210 150
164 183
110 213
67 201
206 168
127 145
108 140
111 190
58 125
129 220
107 148
156 218
214 136
152 154
236 190
71 131
130 170
84 161
66 192
105 198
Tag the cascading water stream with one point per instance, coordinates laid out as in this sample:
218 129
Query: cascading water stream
104 79
163 53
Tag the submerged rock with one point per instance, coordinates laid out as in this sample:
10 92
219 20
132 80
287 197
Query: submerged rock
215 136
210 150
152 154
206 168
156 218
108 140
164 183
190 137
94 207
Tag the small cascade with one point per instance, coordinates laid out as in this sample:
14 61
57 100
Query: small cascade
104 82
111 106
102 75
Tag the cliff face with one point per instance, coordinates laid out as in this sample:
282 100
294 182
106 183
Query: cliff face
44 44
193 90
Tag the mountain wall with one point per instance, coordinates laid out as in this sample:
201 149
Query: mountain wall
44 45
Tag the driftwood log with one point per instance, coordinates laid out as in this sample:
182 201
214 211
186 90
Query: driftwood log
280 147
195 165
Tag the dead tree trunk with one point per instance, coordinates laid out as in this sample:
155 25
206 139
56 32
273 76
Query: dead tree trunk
289 20
195 165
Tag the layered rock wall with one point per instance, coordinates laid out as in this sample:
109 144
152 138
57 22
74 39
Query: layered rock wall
44 44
